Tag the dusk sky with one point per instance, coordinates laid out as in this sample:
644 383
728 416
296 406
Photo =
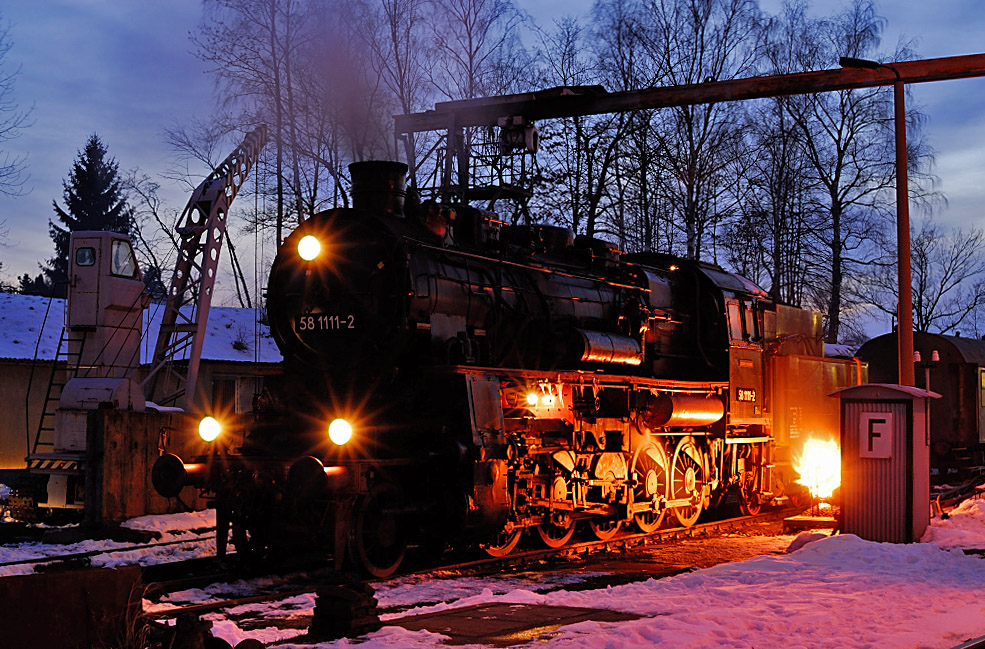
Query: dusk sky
123 69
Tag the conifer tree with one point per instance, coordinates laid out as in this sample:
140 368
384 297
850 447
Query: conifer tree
94 200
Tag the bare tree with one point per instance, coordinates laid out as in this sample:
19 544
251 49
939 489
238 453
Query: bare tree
849 148
5 286
308 69
770 241
848 138
623 62
397 38
693 41
948 279
205 142
476 47
581 151
13 168
200 141
152 231
562 161
254 46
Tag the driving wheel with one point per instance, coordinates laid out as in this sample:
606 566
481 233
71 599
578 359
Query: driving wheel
650 473
378 541
604 528
555 535
504 543
688 480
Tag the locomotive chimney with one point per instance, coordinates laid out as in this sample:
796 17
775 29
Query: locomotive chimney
379 185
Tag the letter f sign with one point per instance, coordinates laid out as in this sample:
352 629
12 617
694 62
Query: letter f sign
875 434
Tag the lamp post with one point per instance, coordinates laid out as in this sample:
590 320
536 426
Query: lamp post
904 308
935 358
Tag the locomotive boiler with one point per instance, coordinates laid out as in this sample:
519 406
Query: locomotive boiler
448 378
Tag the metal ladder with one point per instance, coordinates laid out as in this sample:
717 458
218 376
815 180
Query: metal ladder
42 455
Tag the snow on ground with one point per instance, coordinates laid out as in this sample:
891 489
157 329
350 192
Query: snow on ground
830 592
964 527
164 523
833 592
838 592
174 527
415 590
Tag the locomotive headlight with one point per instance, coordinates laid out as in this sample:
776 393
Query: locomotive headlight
309 247
532 399
209 429
340 432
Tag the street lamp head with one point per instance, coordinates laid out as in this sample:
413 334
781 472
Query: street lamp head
851 62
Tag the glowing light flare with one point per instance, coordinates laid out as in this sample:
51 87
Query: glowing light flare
819 467
209 429
546 398
340 432
309 247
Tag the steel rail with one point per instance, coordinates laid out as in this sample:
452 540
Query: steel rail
626 540
76 556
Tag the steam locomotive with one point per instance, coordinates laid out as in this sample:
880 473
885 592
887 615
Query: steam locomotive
451 378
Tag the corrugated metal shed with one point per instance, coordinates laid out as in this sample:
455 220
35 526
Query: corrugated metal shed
885 462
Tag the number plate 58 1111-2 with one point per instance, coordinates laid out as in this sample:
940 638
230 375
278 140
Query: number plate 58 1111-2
325 322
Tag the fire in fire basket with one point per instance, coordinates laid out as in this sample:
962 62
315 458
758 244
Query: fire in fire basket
820 467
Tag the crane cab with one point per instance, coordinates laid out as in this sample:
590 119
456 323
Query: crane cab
105 304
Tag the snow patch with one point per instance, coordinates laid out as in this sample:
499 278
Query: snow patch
803 539
29 323
963 528
838 592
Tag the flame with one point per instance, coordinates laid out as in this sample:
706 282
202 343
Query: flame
820 467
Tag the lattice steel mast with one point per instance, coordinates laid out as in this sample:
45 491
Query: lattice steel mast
202 229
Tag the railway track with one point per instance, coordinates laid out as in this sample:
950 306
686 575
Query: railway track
188 573
625 540
467 567
84 559
974 643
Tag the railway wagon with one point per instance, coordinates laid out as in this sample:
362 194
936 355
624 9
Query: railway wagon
448 378
954 367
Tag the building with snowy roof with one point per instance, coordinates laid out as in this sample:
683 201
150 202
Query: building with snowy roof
238 352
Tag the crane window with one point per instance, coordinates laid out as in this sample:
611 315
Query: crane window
85 256
124 264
